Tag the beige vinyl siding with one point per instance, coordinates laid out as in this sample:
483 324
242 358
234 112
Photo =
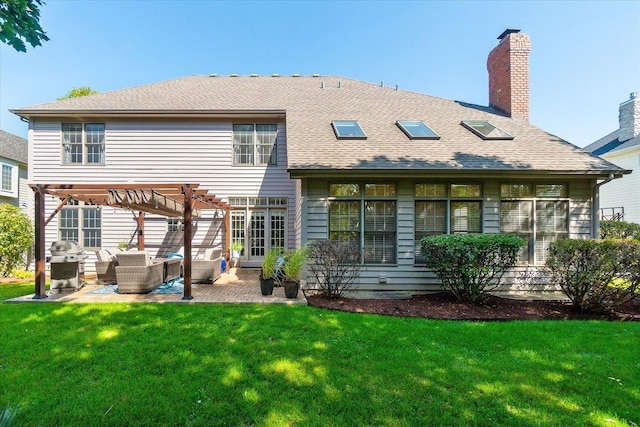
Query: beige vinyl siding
140 151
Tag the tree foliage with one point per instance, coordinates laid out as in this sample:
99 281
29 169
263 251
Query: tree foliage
610 229
19 23
471 265
16 237
78 92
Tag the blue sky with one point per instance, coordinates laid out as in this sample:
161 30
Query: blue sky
585 57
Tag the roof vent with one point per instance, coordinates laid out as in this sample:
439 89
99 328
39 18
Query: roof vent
339 84
275 75
254 75
213 75
397 87
296 75
316 75
381 83
322 85
234 75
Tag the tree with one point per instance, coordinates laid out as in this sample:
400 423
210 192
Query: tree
19 23
16 237
78 92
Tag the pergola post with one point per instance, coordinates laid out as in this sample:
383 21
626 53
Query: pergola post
140 221
40 291
227 238
186 220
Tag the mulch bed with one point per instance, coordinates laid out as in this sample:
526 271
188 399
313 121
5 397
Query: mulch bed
445 306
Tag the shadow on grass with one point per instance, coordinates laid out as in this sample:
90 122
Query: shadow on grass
269 365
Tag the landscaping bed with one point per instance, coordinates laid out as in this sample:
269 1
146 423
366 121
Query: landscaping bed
444 306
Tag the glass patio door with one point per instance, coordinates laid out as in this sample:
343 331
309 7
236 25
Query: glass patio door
257 233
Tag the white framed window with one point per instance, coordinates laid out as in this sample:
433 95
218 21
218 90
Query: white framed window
255 144
82 223
8 179
173 224
445 208
538 213
83 143
365 215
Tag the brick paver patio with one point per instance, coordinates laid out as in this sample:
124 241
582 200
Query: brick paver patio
236 286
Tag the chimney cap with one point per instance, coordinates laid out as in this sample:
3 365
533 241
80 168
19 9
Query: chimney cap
506 32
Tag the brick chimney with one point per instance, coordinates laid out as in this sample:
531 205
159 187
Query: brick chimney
508 66
629 118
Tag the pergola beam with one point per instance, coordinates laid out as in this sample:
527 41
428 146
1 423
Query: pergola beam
171 200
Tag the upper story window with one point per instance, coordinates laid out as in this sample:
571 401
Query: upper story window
348 129
8 180
83 143
416 129
255 144
485 130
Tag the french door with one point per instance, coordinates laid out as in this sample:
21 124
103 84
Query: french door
259 229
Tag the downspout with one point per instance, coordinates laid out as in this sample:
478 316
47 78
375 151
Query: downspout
595 206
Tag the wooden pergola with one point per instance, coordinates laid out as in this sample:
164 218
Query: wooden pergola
171 200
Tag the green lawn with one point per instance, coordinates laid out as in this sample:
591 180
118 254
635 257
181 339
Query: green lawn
206 364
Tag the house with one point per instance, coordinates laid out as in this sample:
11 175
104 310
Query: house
14 188
300 158
622 147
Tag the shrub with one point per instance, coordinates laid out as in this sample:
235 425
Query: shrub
335 266
586 270
16 237
619 230
471 265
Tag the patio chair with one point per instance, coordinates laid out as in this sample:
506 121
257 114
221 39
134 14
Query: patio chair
106 263
208 268
136 273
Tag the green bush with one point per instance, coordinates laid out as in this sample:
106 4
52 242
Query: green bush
471 265
16 237
619 230
586 270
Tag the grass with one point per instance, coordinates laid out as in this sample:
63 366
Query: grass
206 364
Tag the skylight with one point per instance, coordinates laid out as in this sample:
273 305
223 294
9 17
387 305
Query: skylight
348 129
416 129
485 130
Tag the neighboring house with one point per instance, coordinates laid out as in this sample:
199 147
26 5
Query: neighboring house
301 158
14 188
622 147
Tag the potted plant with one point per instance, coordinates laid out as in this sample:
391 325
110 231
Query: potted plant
236 248
292 270
268 271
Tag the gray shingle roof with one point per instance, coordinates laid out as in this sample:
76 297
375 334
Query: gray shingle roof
311 103
13 147
610 144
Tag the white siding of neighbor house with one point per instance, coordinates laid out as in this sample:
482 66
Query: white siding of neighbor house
405 275
160 151
625 191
